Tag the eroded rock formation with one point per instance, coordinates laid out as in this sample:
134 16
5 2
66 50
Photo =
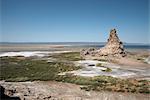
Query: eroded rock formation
113 47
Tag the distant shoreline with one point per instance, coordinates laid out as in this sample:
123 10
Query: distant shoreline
5 46
69 43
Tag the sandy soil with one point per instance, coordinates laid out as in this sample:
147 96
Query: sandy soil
31 47
131 62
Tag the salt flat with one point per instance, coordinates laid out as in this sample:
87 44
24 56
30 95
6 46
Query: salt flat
30 53
90 70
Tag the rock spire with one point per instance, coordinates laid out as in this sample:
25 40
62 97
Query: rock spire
113 47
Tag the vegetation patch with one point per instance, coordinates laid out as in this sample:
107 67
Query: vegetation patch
69 56
14 69
107 83
99 65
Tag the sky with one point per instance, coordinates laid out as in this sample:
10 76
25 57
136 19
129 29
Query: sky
74 20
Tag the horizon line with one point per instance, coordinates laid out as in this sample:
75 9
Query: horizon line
75 42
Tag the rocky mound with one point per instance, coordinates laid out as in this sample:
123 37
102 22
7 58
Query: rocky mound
113 47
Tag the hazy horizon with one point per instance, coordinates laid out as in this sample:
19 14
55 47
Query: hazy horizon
74 20
69 43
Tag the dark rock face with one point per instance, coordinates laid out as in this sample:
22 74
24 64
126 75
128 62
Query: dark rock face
113 47
3 96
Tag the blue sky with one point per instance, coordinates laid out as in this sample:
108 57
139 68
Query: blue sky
74 20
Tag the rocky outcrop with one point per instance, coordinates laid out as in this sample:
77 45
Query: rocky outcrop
113 47
3 95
